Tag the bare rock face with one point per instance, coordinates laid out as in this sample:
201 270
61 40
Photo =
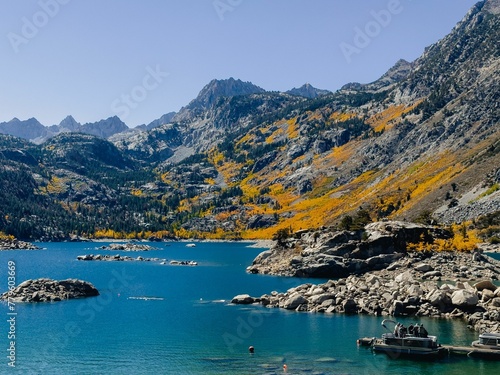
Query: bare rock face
334 254
47 290
464 298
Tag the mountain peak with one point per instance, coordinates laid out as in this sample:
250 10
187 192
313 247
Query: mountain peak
308 91
223 88
398 72
69 123
104 128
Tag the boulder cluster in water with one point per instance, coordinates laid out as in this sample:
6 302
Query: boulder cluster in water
121 258
413 286
128 247
117 258
13 244
48 290
373 273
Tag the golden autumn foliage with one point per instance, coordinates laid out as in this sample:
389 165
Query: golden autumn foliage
142 235
342 116
293 130
388 118
463 240
56 185
5 237
136 192
210 181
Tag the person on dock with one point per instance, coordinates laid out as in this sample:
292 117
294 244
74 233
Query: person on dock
410 329
396 330
423 331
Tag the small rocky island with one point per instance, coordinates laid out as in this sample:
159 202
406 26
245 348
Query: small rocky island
117 258
120 258
14 244
48 290
373 273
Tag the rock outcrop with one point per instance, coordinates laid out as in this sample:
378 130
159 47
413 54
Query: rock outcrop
117 258
13 244
47 290
127 247
333 254
418 284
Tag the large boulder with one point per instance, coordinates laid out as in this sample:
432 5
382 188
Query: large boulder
294 301
243 299
485 284
439 298
423 267
350 306
464 298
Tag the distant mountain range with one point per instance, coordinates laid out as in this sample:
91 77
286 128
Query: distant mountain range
421 143
34 131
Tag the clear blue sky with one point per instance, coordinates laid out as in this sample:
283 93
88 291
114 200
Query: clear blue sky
81 57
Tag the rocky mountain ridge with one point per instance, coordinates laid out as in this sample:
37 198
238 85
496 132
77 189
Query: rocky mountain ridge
421 143
308 91
37 133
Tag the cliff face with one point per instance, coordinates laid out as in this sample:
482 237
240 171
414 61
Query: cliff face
334 254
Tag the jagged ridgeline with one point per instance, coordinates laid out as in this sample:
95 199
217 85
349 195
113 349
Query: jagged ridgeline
421 143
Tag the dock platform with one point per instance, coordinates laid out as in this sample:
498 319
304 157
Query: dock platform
469 351
472 351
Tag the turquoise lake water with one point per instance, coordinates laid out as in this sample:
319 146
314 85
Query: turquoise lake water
189 327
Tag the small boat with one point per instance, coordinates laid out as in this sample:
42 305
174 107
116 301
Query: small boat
191 245
413 342
488 340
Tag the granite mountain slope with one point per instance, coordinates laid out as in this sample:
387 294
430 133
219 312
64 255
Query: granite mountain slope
239 161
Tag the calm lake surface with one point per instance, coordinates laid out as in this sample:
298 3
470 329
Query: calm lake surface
187 326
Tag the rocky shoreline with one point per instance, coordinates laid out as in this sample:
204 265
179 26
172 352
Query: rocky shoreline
441 285
48 290
13 244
